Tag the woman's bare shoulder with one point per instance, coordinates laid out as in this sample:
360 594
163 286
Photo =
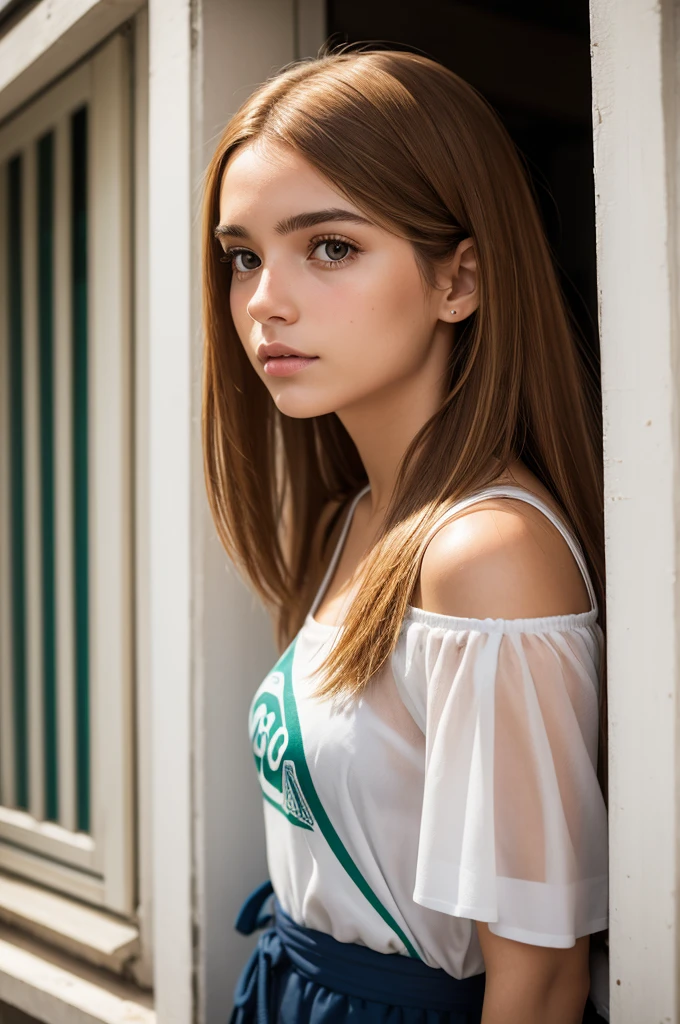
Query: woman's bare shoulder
501 558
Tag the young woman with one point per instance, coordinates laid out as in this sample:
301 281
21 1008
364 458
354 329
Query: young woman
402 455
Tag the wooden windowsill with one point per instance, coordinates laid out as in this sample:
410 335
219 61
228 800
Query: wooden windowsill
87 933
52 986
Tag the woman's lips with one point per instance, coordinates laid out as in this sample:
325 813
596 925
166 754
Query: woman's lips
285 366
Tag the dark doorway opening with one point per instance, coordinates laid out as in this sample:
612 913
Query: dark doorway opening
531 60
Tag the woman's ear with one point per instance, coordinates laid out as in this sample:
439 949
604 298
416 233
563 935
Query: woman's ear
457 293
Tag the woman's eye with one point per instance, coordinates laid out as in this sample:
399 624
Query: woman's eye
241 260
333 250
244 260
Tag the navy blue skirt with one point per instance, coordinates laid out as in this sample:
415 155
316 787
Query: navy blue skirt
297 975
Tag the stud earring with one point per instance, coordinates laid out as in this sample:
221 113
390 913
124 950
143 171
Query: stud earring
453 312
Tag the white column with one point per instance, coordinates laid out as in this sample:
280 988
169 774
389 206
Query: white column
635 117
210 643
172 401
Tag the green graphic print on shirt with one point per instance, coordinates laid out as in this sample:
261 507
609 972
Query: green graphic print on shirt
270 737
285 779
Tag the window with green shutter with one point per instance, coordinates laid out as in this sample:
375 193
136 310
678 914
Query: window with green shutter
66 569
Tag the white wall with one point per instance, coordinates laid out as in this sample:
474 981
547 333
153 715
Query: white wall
210 643
241 44
634 48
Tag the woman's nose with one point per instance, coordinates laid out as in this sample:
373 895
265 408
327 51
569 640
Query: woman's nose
271 300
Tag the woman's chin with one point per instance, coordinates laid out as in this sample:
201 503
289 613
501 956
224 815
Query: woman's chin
300 406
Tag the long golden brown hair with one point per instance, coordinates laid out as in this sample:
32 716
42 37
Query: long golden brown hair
424 155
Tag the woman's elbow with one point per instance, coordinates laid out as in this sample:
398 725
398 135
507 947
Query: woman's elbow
565 995
559 998
534 985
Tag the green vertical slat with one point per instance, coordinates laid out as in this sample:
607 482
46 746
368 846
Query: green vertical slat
80 460
16 372
45 199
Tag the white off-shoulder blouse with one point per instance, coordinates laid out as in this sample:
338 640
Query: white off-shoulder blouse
461 786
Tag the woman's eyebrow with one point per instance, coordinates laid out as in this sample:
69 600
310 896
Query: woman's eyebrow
296 222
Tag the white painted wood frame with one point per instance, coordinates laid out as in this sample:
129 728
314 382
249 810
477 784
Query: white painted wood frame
143 966
636 118
110 468
32 497
49 39
98 867
7 782
63 474
171 369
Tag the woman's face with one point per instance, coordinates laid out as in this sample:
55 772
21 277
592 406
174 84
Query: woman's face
312 273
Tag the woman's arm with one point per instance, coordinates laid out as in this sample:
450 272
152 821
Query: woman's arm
504 563
533 984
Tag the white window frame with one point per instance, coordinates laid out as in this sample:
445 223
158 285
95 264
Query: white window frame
98 867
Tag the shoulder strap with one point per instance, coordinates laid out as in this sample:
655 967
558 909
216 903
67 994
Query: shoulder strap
509 491
338 550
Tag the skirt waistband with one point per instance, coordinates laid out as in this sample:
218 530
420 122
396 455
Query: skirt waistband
344 967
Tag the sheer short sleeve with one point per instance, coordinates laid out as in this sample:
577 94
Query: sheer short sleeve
514 827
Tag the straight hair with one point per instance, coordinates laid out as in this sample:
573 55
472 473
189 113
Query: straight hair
425 156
